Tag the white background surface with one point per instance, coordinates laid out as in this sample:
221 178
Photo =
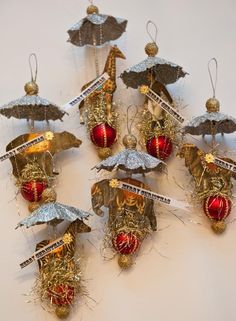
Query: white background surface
184 272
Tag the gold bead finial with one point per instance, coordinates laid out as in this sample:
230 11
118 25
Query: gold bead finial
213 105
33 206
218 227
62 312
31 88
92 9
125 261
130 141
151 49
49 195
104 152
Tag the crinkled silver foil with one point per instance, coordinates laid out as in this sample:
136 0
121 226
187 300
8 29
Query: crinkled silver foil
96 30
208 122
131 160
164 71
53 212
32 107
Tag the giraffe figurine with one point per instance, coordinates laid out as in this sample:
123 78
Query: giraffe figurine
59 277
102 98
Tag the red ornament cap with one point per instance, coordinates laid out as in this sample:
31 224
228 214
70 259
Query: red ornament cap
217 207
159 147
103 135
126 243
32 191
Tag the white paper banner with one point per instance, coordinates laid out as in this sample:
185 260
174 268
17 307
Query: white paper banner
222 163
43 252
22 147
162 103
87 91
153 196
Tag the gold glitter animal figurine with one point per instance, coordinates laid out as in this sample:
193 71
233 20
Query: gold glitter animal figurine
209 178
59 279
131 217
103 97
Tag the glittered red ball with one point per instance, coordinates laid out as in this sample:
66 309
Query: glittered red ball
103 135
159 147
217 207
32 191
126 243
61 295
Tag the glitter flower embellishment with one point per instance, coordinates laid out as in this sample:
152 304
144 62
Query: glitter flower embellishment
67 238
144 89
114 183
48 135
209 158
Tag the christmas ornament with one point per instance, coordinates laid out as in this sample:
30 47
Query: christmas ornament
103 135
213 183
31 106
32 191
155 125
159 147
58 284
131 216
100 114
34 167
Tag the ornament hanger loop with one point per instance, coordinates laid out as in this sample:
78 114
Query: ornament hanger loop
154 39
35 73
213 83
130 123
91 2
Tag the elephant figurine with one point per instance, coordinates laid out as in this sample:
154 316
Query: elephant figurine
131 217
119 201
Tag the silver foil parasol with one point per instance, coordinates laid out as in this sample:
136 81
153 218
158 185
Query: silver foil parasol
96 29
53 213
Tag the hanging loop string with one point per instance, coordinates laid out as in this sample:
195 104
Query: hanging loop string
91 2
129 126
151 23
35 73
213 83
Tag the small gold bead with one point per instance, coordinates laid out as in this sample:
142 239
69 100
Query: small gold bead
31 88
125 261
151 49
130 141
213 105
218 227
33 206
104 152
92 9
49 195
62 312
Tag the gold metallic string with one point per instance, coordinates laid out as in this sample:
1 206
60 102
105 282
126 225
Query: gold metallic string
213 83
151 23
35 73
128 122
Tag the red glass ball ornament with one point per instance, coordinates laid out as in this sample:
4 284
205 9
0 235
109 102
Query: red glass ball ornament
32 191
159 147
61 295
103 135
126 243
217 207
